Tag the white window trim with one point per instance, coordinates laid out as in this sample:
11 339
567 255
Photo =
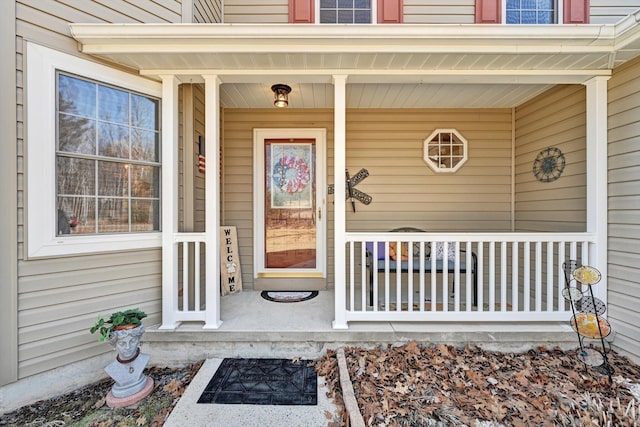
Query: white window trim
374 13
559 13
41 239
435 166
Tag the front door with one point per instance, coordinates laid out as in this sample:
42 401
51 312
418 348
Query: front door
289 209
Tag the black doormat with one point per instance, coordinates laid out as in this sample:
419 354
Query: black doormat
288 296
262 382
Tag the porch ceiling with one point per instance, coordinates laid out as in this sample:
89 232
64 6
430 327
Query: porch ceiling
388 66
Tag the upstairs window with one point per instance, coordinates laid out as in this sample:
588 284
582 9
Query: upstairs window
531 11
345 12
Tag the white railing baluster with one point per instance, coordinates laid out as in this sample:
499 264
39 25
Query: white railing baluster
399 276
492 275
196 275
503 276
352 283
550 276
363 275
374 273
433 277
422 258
480 275
527 276
515 272
445 276
410 276
538 272
585 254
185 276
386 277
561 282
456 278
468 276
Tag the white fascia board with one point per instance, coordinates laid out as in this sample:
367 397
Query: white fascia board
362 76
628 31
471 38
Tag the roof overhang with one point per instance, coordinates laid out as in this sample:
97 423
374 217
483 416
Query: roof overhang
369 54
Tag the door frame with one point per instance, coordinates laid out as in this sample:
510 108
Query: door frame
259 137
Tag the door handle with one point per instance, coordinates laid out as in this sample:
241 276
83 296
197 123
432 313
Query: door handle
319 214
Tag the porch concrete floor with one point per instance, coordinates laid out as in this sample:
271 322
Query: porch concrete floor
255 327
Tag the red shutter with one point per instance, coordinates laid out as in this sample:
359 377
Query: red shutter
488 12
301 11
576 11
390 11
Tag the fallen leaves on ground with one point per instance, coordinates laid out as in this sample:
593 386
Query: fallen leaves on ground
86 406
444 385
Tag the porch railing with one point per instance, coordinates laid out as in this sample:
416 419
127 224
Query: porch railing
518 276
189 291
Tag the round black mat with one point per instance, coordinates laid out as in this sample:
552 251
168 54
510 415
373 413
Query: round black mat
288 296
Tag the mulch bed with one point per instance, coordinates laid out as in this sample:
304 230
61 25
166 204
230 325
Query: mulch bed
87 406
441 385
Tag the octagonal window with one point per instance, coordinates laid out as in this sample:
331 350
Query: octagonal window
445 150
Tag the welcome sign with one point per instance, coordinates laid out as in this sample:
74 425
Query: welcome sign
230 274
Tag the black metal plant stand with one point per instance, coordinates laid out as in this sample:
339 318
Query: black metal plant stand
592 329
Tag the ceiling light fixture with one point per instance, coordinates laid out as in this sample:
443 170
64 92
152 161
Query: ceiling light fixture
281 93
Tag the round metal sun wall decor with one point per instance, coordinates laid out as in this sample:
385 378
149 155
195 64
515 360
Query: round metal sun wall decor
549 164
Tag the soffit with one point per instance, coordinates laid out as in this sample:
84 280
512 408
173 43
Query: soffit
388 66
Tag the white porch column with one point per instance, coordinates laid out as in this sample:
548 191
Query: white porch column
212 201
169 201
597 207
339 166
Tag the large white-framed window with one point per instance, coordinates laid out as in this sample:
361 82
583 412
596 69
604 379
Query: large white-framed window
532 11
346 11
93 157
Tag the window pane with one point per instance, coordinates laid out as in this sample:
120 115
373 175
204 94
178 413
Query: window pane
362 17
327 4
113 179
75 176
113 216
345 4
76 96
76 134
76 215
113 140
362 4
513 4
328 16
113 105
545 4
345 16
528 17
145 215
145 181
144 112
145 145
545 18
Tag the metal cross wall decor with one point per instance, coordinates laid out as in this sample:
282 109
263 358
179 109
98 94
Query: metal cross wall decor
353 193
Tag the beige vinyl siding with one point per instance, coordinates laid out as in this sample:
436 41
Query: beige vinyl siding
207 11
256 11
624 208
439 11
611 11
557 118
407 192
388 143
60 298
